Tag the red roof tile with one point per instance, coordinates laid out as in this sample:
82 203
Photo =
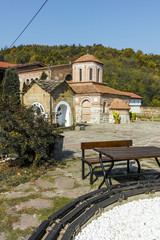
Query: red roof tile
133 95
5 64
119 104
87 58
93 87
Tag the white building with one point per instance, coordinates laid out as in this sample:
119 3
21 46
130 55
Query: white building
134 102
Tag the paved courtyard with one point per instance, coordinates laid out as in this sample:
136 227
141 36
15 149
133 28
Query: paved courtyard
142 133
26 204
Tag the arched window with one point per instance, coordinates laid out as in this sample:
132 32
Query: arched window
38 109
98 71
68 77
104 107
80 74
90 73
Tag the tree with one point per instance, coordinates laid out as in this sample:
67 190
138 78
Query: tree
29 139
11 85
43 76
24 87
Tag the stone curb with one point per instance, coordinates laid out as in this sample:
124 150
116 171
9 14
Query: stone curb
67 221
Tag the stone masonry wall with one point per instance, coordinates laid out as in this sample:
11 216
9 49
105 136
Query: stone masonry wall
95 108
37 94
60 72
55 72
63 93
150 111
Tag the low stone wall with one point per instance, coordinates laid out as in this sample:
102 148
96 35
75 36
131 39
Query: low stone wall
68 221
150 111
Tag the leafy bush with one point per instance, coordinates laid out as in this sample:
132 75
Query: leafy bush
130 115
22 135
116 115
134 115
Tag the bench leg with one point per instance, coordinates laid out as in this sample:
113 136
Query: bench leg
105 172
127 166
91 175
139 167
83 170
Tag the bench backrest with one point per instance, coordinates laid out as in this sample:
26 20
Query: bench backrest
119 143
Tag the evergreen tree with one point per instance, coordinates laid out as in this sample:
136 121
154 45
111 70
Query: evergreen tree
24 87
43 76
11 85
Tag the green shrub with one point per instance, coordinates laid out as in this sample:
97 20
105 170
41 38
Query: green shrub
116 115
134 116
22 135
130 115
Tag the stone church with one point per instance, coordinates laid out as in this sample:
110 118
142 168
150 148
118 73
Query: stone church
72 93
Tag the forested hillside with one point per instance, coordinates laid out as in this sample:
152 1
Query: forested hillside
125 69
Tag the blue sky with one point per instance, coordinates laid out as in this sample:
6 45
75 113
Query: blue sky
115 23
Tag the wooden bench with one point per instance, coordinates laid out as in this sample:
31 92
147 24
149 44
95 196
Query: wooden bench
92 161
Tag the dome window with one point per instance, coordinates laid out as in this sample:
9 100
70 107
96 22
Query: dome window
90 73
80 75
98 71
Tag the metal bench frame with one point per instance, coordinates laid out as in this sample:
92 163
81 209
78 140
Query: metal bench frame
91 162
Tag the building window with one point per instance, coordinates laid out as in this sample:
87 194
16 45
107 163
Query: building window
98 71
80 74
90 73
68 77
104 107
38 109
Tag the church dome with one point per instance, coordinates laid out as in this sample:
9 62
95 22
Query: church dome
87 58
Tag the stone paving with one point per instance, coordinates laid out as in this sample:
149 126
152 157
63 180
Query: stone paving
141 132
66 181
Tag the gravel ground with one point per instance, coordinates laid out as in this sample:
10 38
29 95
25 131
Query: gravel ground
137 220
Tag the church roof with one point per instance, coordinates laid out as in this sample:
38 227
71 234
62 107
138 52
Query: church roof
49 85
133 95
6 64
119 104
87 58
94 87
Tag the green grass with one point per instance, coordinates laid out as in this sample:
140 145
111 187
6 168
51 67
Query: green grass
12 176
58 202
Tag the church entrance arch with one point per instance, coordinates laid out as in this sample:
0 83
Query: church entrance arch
63 114
86 112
